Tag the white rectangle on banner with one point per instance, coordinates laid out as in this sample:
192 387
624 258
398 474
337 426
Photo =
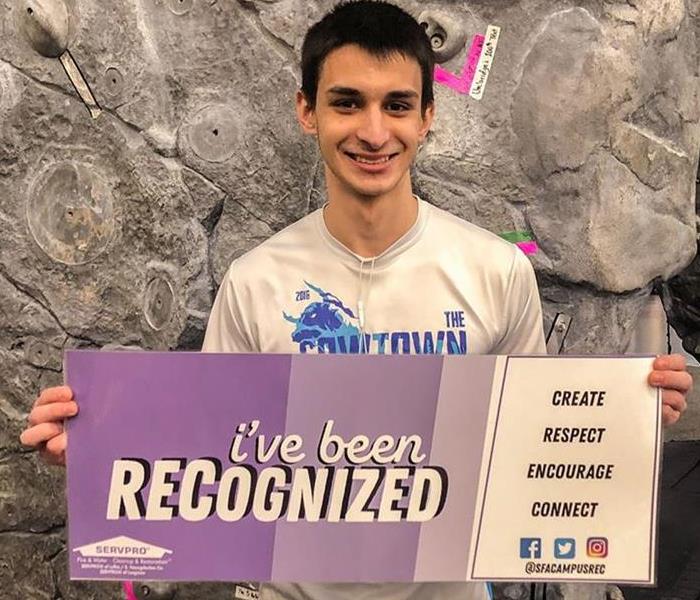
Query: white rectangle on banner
563 495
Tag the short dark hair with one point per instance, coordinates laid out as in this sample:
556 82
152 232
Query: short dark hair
377 27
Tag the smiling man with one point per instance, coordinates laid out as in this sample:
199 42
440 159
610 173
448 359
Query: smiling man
377 270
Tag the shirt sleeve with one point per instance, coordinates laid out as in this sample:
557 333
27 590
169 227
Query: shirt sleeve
524 332
226 330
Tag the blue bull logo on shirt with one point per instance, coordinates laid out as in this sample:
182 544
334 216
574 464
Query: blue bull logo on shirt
327 326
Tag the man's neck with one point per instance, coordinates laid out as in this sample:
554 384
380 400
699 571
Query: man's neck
369 225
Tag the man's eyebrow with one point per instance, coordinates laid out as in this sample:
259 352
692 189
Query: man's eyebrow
344 91
402 95
393 95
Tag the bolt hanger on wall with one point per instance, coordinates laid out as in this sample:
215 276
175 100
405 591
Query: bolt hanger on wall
557 334
46 25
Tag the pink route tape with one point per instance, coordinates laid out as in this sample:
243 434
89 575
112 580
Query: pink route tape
463 83
129 591
528 247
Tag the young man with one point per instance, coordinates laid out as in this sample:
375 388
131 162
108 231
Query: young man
376 270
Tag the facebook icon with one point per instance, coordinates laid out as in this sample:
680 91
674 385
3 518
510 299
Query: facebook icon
530 548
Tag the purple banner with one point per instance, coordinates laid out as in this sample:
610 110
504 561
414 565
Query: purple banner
190 466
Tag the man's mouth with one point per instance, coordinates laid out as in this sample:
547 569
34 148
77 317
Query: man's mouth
371 160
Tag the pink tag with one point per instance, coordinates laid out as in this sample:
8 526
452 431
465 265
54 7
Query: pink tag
463 83
129 591
528 247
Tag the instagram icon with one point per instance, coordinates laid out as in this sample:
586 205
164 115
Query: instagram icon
597 547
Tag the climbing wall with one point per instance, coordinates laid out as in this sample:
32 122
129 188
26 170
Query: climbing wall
144 144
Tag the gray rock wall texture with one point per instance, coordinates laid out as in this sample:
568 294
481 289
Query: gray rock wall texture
117 230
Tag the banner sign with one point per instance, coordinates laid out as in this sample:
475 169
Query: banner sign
198 467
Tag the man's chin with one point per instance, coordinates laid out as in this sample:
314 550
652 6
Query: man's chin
372 189
371 193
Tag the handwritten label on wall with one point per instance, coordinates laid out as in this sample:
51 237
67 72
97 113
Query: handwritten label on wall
477 66
485 62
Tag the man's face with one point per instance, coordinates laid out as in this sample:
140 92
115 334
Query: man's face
368 120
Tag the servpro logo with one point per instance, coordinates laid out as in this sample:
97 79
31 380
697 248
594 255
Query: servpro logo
122 546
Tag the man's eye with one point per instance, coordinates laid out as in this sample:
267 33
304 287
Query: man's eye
398 107
349 104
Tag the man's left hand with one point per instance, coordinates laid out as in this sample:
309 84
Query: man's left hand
671 375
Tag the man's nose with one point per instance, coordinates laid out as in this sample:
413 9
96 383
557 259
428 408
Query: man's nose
373 131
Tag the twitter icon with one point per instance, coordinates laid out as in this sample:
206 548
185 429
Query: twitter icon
564 548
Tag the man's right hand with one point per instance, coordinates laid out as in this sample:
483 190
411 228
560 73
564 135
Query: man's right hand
45 432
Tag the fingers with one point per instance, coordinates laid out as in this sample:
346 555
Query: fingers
49 439
670 416
57 444
45 431
61 393
674 405
54 453
34 436
673 380
672 362
55 411
675 400
670 372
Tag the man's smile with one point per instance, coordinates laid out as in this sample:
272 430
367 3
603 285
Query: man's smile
370 160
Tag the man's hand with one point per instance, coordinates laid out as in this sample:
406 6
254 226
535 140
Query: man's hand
671 375
45 431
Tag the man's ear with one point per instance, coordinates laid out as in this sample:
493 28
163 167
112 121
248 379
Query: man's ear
428 116
306 114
